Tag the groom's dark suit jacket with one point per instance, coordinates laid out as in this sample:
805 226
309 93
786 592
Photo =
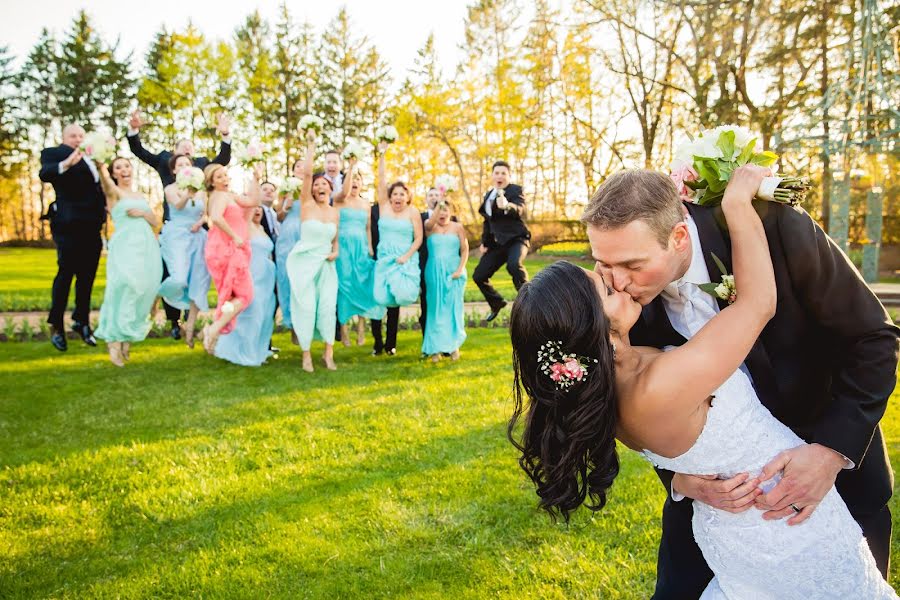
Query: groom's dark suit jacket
825 366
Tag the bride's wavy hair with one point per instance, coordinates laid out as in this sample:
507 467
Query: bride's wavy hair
568 441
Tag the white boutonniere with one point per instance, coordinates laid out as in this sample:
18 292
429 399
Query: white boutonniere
724 290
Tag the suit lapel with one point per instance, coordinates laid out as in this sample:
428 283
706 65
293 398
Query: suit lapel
659 327
714 240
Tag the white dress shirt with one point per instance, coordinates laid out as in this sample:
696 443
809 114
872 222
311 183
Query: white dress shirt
271 220
489 203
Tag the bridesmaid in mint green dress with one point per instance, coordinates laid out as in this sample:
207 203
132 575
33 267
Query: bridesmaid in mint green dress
445 283
355 265
310 266
288 235
133 264
397 274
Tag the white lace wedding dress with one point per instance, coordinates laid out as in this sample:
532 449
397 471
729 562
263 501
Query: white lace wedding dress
824 557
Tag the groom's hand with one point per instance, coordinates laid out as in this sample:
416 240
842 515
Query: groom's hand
809 472
734 495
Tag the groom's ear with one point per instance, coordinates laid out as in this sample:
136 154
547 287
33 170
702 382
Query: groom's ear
681 237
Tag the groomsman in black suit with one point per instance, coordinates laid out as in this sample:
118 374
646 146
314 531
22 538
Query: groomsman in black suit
76 217
431 201
160 163
271 226
505 237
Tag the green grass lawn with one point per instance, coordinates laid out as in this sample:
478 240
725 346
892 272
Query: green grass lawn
182 475
28 275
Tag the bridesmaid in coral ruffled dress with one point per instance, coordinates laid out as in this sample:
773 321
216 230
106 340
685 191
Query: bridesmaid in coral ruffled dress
228 248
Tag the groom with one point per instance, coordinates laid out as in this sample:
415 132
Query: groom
824 365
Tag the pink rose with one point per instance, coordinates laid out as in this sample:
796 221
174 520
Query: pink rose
681 172
573 368
89 150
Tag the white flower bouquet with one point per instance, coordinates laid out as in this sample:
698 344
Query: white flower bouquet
387 133
252 153
311 123
353 149
445 184
702 168
189 178
290 187
99 146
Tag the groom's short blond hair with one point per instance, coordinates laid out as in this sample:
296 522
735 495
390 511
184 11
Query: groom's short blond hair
636 195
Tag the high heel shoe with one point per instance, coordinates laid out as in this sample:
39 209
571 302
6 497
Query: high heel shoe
308 364
126 351
115 354
329 363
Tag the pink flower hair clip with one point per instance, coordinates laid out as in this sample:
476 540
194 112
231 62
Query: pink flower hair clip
564 369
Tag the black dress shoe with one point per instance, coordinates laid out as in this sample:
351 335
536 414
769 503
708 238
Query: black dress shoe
274 349
377 351
58 339
495 312
176 331
85 332
391 351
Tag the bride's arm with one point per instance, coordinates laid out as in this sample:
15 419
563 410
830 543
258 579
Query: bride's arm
686 376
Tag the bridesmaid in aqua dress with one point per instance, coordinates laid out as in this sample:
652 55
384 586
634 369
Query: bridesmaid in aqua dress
248 343
355 265
310 265
183 244
133 263
397 275
445 284
289 215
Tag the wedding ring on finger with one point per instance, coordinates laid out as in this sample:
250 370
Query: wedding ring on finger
794 506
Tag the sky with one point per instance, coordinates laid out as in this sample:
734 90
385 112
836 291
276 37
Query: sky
398 28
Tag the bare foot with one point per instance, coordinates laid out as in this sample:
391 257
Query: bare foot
307 362
361 333
209 340
126 351
454 355
115 354
345 336
189 335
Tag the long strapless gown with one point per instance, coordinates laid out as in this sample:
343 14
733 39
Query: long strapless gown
184 254
825 557
445 328
314 284
287 238
133 271
248 342
229 265
396 284
355 268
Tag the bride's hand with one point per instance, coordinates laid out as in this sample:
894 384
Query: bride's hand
744 184
733 495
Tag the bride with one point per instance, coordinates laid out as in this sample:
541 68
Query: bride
689 409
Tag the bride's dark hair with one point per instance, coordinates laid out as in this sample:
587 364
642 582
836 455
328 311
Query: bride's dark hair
568 444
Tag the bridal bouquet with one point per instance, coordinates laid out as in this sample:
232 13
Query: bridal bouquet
445 184
189 178
252 153
99 146
388 134
290 187
353 149
311 123
702 168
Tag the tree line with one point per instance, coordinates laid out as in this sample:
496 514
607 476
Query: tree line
568 92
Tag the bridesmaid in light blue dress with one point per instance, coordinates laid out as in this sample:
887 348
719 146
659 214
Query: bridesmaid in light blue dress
355 265
248 343
133 264
288 235
311 268
183 244
445 284
397 274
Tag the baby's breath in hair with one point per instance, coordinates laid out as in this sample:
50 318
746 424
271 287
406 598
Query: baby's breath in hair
564 369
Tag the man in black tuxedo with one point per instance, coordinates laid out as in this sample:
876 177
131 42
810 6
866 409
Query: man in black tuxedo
825 365
160 163
270 225
431 201
505 237
76 217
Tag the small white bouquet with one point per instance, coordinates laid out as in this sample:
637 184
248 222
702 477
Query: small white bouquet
353 149
387 133
99 146
290 187
252 153
445 184
189 178
703 167
311 123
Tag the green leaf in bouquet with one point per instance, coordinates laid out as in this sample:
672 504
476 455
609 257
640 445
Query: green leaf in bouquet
764 159
719 263
725 143
725 170
709 288
747 153
710 197
718 185
707 169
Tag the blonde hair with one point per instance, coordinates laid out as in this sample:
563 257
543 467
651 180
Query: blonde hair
208 173
636 195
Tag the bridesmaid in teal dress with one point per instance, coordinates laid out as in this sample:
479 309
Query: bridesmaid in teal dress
310 265
183 245
355 265
133 263
397 275
445 284
248 343
289 215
